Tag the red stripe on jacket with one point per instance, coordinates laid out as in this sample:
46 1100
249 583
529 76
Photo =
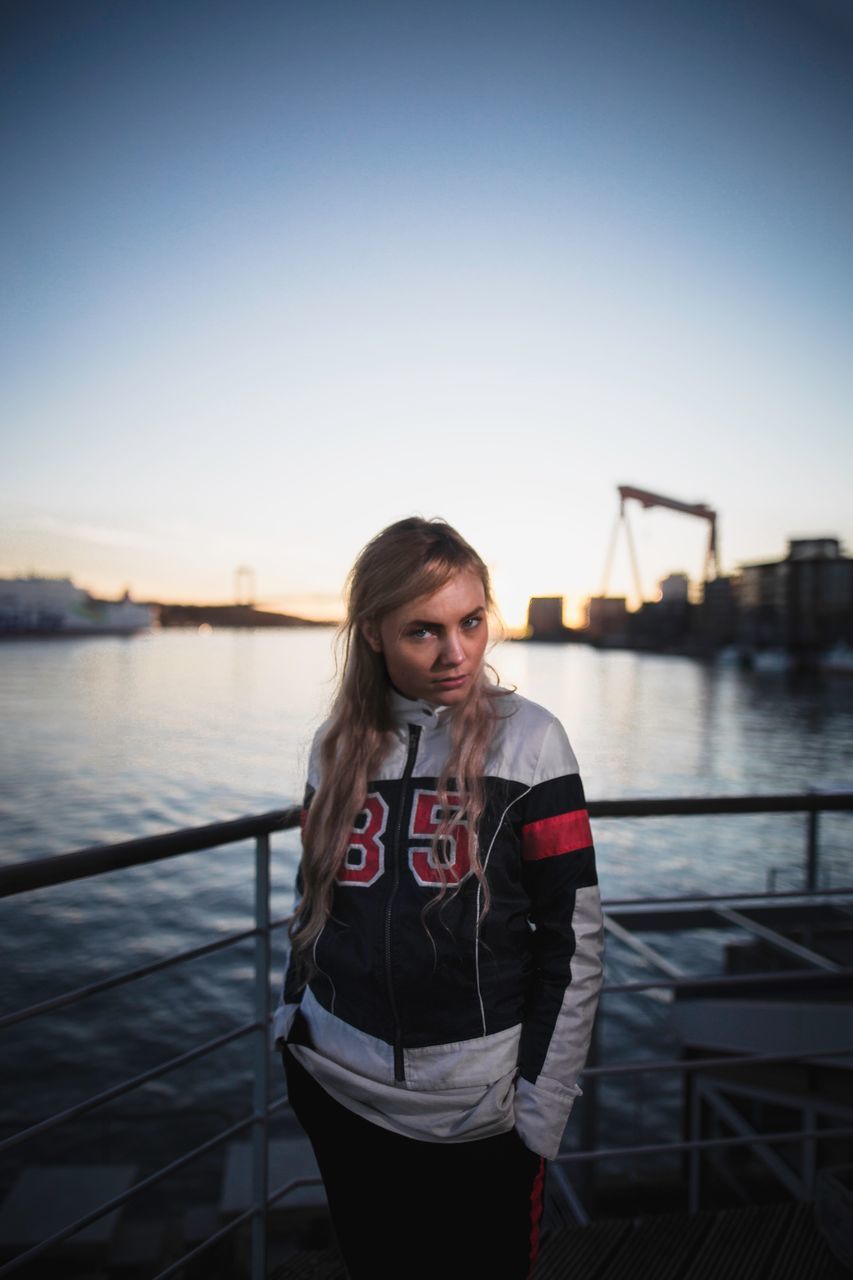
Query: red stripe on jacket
549 837
536 1205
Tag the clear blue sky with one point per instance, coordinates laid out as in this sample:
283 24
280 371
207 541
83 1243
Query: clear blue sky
276 274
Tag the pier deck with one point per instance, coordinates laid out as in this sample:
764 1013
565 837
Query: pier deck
770 1242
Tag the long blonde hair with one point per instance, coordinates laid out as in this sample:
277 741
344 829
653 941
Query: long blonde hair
409 559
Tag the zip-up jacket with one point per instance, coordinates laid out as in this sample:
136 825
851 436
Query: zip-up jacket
453 1025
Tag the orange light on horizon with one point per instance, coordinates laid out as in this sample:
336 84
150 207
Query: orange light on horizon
513 599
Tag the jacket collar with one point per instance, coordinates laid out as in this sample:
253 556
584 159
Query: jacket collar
404 711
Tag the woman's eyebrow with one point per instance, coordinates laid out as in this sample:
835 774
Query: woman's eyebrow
421 622
427 622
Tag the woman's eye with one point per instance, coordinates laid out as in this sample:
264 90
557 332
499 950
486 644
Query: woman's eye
470 623
419 633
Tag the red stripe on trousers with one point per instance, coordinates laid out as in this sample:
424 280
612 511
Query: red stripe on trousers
549 837
536 1214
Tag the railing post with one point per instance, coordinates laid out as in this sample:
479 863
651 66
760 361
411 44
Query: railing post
694 1132
589 1123
261 1059
808 1157
811 850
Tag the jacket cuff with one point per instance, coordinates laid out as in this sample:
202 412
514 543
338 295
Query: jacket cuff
282 1021
541 1112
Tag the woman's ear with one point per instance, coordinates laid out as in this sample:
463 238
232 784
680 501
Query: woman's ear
370 631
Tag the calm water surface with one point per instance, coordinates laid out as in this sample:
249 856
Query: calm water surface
108 739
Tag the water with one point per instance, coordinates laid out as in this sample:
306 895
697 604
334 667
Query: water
113 738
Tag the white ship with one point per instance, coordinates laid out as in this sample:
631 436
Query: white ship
54 606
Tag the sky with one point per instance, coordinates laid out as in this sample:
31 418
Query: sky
277 274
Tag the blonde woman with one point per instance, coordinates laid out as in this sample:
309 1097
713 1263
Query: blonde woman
446 947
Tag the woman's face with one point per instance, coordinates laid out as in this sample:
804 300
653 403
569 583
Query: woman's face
433 646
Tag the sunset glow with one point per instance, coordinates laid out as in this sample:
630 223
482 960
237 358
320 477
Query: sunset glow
278 276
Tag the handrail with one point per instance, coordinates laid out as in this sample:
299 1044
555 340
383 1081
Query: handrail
702 1144
701 899
840 979
644 1066
664 807
39 873
95 860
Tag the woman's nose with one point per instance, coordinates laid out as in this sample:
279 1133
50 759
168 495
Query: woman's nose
452 652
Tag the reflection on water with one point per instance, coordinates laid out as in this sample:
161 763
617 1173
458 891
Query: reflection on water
109 739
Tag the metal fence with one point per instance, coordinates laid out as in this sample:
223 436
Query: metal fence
39 874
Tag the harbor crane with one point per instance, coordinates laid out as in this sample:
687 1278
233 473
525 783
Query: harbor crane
648 499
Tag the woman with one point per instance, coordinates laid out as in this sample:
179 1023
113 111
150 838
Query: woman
445 951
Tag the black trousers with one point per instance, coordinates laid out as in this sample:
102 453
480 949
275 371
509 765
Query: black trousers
409 1210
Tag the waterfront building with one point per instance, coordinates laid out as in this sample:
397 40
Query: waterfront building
803 602
607 618
715 620
545 618
664 623
674 589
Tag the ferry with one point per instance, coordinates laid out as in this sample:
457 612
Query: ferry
36 606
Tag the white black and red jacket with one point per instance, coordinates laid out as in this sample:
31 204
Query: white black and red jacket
449 1026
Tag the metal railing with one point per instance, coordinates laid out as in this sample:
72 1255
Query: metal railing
39 874
83 863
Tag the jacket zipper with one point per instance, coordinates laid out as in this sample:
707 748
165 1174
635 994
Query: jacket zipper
414 738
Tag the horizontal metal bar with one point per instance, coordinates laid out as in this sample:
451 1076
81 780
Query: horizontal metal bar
120 979
126 1086
778 1098
705 980
683 806
701 1144
703 899
117 1201
38 873
641 1066
803 977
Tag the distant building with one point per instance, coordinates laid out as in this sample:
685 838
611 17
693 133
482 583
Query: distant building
674 589
814 549
715 621
802 602
606 617
664 623
545 618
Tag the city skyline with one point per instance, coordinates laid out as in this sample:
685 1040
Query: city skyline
277 277
331 608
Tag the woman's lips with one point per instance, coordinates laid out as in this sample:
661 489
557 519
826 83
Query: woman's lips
450 682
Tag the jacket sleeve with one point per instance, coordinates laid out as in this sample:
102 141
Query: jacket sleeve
293 984
567 942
